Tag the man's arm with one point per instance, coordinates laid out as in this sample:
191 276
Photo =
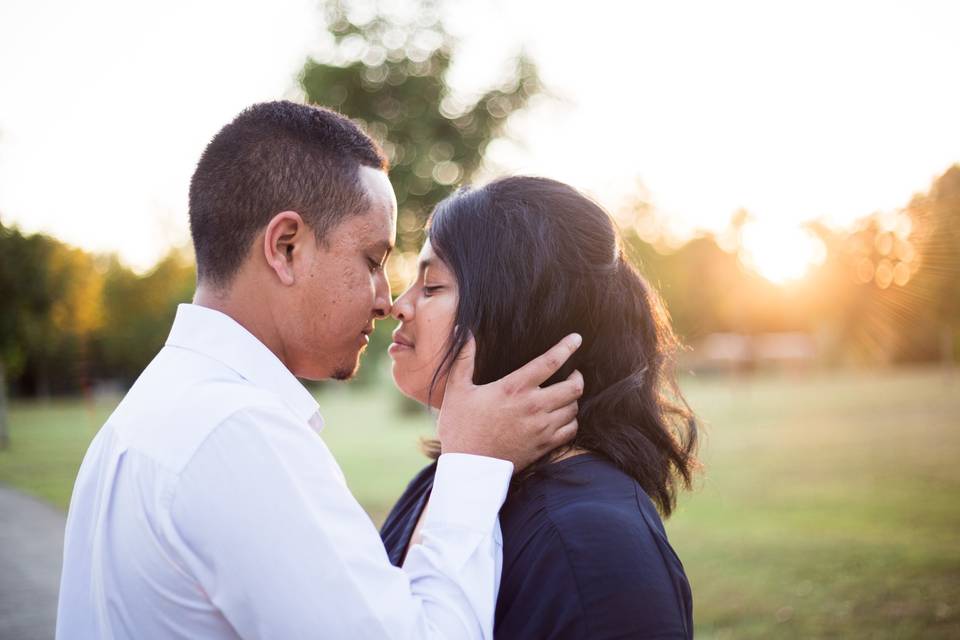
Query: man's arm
264 524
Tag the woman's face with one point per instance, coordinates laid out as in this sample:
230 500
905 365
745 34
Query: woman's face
426 312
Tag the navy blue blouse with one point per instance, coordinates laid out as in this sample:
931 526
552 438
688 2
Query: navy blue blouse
585 555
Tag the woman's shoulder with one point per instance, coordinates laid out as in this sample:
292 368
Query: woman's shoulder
580 486
593 491
593 507
587 536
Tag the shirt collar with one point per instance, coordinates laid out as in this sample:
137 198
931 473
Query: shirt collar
222 338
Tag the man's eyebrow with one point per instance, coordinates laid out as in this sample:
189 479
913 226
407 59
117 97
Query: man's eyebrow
383 247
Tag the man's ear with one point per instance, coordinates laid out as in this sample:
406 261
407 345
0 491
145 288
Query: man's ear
283 243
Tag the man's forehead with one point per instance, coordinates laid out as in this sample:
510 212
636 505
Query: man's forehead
381 201
372 235
378 187
372 231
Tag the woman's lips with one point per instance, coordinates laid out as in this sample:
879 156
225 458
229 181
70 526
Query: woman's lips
399 344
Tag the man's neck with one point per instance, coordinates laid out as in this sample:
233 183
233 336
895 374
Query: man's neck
247 309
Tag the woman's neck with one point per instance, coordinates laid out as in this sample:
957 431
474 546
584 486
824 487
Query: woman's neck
566 452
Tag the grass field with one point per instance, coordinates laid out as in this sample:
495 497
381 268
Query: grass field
829 506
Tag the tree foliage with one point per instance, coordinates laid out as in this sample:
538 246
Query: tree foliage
68 317
390 74
888 290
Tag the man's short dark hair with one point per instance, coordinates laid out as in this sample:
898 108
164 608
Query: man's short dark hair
274 156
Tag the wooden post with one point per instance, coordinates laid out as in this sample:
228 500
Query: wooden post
946 351
4 433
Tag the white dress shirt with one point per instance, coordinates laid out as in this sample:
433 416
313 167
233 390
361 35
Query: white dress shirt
208 507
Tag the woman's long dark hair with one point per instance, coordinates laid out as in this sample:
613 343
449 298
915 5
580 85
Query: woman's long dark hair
534 261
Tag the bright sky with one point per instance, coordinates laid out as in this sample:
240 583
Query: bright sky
792 110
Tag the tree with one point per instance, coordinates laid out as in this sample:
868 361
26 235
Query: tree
935 221
389 73
138 311
49 309
4 430
7 322
891 285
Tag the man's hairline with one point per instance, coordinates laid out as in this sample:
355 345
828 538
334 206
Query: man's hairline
322 236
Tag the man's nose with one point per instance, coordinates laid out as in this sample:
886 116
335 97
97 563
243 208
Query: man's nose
383 311
384 303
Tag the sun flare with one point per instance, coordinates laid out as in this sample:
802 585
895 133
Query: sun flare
780 253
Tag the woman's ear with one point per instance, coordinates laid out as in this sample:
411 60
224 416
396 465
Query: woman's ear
283 244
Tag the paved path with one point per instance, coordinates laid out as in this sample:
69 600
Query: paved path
31 551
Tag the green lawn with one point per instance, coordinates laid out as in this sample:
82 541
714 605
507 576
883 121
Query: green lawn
828 506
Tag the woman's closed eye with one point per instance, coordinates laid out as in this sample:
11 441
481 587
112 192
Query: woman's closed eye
429 290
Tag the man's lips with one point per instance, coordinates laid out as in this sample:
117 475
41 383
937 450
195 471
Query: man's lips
365 335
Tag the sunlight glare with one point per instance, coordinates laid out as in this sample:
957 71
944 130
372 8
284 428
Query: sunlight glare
780 253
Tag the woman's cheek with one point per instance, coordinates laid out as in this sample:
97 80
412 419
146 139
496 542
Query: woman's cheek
409 380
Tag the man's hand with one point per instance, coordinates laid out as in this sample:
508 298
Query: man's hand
513 418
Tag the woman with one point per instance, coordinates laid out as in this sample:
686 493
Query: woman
518 264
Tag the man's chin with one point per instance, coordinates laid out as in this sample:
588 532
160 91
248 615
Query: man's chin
344 374
347 371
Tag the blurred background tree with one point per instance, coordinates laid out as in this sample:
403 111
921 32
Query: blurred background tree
69 318
386 67
138 311
887 290
51 307
935 292
388 71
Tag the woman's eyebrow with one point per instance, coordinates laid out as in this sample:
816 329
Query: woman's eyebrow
423 266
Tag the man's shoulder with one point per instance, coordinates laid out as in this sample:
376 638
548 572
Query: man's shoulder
178 401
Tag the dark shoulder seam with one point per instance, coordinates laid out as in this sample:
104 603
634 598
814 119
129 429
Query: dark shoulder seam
573 571
666 562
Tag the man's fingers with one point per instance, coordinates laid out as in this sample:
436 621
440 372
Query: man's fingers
563 415
564 434
462 368
537 371
563 393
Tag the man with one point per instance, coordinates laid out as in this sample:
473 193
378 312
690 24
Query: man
207 506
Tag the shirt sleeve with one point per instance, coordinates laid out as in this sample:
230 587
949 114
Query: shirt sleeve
262 520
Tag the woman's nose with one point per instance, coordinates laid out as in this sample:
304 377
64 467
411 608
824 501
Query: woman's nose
402 308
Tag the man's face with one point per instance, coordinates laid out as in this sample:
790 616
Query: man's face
341 288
